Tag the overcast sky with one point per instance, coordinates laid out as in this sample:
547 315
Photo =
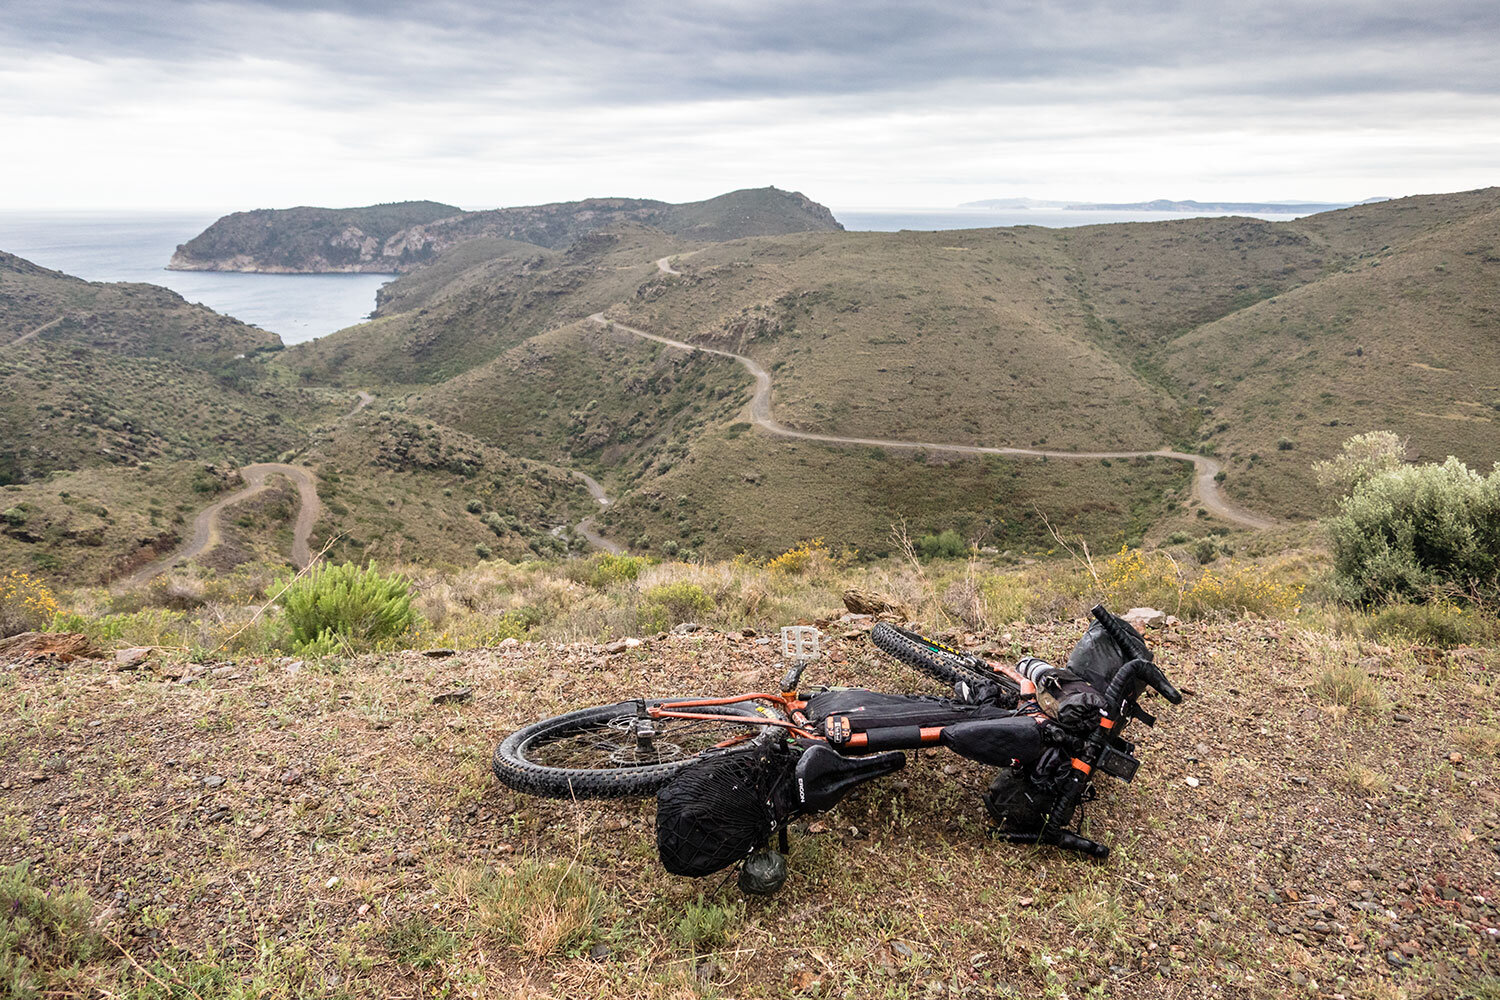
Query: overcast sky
236 104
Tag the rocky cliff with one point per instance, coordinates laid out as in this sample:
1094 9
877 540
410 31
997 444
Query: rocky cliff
389 239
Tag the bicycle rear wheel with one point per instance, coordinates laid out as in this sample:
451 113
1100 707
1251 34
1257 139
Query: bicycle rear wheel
928 655
605 752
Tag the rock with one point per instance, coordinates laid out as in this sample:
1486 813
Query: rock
1401 717
633 643
438 654
817 827
214 781
1192 782
260 831
1145 618
865 602
618 646
686 628
453 697
292 776
132 658
1455 758
62 646
901 949
599 952
510 643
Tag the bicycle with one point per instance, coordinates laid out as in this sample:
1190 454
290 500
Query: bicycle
730 772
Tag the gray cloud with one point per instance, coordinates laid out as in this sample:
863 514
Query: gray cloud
644 52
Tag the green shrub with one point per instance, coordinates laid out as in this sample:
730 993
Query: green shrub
681 600
26 604
346 607
1440 623
947 544
43 935
610 569
1364 457
704 925
1413 531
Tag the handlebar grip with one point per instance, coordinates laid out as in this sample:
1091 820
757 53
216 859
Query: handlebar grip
793 675
1066 839
1159 681
1072 842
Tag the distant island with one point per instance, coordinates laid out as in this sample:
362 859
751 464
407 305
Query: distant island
402 236
1167 205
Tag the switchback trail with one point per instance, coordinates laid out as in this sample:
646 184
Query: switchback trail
206 525
1204 486
586 526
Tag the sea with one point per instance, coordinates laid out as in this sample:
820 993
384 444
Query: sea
133 246
120 246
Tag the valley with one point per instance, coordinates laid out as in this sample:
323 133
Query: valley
1120 382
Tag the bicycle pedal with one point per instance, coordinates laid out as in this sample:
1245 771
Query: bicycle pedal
838 729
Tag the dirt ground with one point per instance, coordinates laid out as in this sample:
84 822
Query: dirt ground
325 828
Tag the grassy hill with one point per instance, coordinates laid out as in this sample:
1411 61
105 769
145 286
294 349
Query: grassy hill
478 302
1263 344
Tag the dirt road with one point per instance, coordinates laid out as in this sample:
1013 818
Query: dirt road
206 529
586 526
49 325
1204 486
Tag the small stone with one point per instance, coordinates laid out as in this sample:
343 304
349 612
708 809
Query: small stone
901 949
509 643
618 646
599 952
632 643
260 831
331 883
362 909
37 777
132 658
1191 781
1401 717
1395 958
454 696
686 628
1297 779
817 826
1026 900
1455 758
438 654
213 781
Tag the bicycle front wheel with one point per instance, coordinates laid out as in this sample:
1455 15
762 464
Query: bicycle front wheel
610 752
928 655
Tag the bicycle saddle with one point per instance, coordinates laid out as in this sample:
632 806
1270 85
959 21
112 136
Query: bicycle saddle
824 778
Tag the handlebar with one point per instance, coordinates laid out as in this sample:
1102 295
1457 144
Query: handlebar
793 675
1066 839
1142 665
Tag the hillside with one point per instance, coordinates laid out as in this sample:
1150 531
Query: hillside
297 240
392 239
124 411
117 374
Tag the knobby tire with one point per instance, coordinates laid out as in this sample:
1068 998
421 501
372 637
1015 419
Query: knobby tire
598 731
